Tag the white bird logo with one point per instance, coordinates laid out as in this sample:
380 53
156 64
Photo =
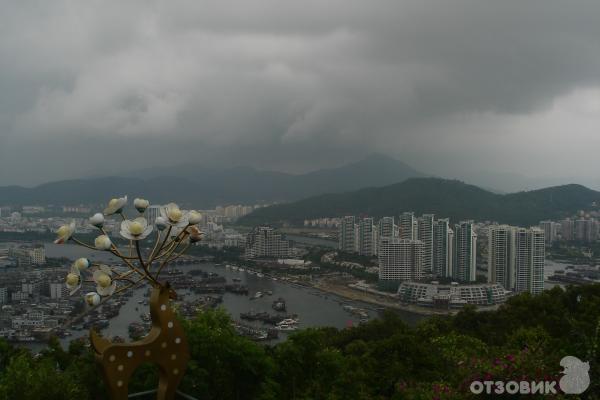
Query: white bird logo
576 378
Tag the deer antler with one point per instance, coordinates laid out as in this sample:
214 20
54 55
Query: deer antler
174 228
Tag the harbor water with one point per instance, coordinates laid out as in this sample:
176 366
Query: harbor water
313 307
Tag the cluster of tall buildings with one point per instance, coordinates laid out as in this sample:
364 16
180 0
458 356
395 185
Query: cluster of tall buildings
413 248
583 229
516 258
23 255
236 211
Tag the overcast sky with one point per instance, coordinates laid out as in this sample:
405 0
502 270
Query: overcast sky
454 88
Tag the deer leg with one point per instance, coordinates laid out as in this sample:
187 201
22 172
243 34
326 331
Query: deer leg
119 390
168 383
117 369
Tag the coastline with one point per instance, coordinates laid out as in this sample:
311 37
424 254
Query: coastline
349 293
355 294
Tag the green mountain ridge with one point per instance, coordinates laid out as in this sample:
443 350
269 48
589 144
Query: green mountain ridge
202 187
445 198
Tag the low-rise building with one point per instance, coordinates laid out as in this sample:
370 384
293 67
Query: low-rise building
452 295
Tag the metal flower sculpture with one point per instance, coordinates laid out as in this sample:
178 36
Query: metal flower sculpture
166 344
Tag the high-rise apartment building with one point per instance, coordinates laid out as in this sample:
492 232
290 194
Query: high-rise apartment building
550 229
465 252
501 255
399 260
579 229
567 229
425 235
443 237
347 235
585 229
38 254
406 225
265 241
529 260
386 227
591 230
367 245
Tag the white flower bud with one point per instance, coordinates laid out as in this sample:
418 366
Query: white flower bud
97 220
194 217
161 223
102 242
141 204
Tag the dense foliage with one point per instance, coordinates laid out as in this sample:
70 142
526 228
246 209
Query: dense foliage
445 198
438 359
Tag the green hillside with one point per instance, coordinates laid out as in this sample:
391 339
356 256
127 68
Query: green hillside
445 198
524 340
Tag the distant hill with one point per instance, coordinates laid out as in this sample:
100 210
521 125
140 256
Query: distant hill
445 198
204 187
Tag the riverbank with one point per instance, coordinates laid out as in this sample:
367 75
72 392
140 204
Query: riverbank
346 292
342 289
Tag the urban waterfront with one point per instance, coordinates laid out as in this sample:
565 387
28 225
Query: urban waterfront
313 307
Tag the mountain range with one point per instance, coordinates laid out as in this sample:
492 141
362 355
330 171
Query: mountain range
203 187
444 198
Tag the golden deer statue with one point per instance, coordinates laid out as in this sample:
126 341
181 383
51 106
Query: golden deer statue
166 344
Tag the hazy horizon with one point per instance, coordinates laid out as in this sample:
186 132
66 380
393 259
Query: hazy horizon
504 95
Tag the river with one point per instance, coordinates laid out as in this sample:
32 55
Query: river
313 307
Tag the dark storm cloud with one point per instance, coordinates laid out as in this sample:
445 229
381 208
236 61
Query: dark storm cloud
446 85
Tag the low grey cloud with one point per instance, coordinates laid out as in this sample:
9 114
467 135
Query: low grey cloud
453 87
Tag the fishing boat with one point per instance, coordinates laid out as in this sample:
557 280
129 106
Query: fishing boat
279 305
257 295
288 321
286 328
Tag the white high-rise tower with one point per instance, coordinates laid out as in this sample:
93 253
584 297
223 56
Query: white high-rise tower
501 255
366 237
530 259
407 224
400 260
442 248
425 235
347 235
464 265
